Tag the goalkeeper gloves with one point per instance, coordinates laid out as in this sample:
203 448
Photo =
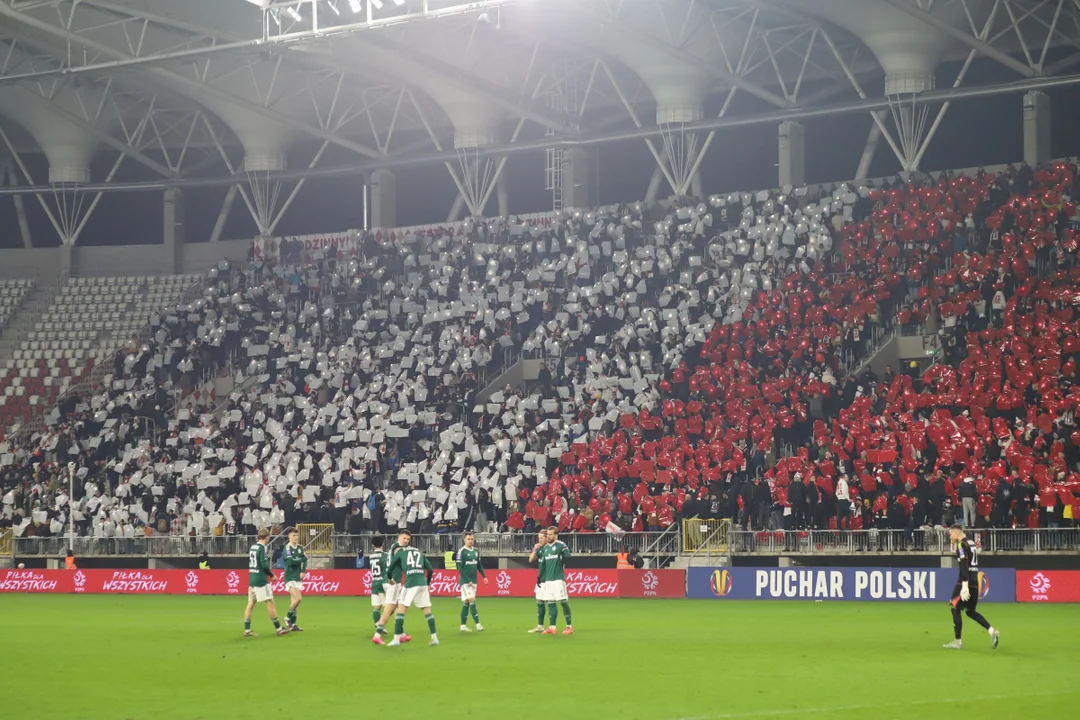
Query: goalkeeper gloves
965 593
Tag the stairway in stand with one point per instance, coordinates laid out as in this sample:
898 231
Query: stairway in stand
24 320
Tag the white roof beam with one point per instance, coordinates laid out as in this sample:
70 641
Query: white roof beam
965 37
118 55
683 56
474 85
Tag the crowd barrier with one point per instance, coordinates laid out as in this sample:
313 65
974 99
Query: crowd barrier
501 583
738 583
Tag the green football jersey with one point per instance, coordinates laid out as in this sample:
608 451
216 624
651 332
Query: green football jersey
390 577
379 560
468 564
413 565
552 561
295 561
259 573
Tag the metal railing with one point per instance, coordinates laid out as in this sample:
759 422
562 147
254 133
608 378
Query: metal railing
926 541
494 544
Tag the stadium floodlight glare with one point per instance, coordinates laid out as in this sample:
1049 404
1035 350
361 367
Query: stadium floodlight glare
294 14
399 3
355 6
376 3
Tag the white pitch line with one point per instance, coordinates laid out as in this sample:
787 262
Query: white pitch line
869 706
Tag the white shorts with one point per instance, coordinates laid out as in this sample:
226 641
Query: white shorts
415 596
294 585
261 594
554 591
539 592
391 593
378 599
468 592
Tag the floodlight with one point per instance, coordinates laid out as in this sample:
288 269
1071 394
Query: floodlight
399 3
376 3
355 6
294 13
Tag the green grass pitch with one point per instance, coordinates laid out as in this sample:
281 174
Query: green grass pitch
116 657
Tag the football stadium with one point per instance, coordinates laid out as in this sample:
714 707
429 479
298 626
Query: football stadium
642 359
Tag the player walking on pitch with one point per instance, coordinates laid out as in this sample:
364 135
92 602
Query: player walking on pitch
534 557
391 592
552 560
259 589
295 560
379 561
468 564
415 570
965 595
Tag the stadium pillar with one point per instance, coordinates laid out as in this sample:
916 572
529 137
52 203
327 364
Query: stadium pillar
67 260
502 195
1036 128
383 199
174 229
792 154
577 182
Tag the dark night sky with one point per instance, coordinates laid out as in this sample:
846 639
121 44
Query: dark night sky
980 132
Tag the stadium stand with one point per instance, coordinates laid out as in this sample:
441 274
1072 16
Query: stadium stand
12 293
89 319
713 365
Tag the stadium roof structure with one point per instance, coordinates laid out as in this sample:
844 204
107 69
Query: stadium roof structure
252 94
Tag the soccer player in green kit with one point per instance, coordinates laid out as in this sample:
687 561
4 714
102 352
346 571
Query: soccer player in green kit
259 589
552 561
534 557
468 564
295 560
392 590
379 561
415 571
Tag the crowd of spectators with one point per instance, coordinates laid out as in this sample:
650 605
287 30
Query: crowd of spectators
702 360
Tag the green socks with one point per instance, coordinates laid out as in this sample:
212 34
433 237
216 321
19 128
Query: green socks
291 617
539 612
553 613
375 615
464 613
277 623
399 624
431 623
475 615
247 625
566 613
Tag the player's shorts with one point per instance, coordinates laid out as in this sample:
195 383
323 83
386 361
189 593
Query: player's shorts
294 585
415 596
468 592
539 592
261 594
554 591
971 603
391 594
